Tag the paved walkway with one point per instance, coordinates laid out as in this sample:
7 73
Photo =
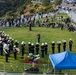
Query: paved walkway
1 73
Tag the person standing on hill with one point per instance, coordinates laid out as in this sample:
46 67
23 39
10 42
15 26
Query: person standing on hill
38 37
70 44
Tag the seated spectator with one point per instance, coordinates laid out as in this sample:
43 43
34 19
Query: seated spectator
34 60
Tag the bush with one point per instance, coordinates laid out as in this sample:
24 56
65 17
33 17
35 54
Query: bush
58 2
45 2
32 11
10 13
36 6
49 7
21 9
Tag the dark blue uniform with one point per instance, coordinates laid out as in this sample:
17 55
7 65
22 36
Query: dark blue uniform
59 44
29 47
32 49
1 48
53 48
37 48
23 49
70 45
46 48
64 45
6 55
15 53
42 50
16 43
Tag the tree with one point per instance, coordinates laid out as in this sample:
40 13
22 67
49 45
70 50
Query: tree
45 2
58 2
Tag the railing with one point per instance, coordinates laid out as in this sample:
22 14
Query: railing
43 69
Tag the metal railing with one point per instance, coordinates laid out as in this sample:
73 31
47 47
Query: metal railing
43 69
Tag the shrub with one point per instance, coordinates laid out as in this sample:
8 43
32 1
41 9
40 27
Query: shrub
36 6
32 11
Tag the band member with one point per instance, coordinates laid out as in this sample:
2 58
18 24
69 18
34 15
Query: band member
70 44
37 48
1 48
11 43
6 50
46 48
32 48
53 47
42 50
64 45
16 43
16 50
59 44
38 37
23 48
29 47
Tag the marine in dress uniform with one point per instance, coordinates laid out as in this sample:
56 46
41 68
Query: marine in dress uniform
15 52
70 44
6 50
11 43
1 48
46 48
29 47
42 50
37 48
32 48
64 45
16 43
53 47
23 48
58 44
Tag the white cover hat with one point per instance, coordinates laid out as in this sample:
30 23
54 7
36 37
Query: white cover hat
37 43
70 39
53 41
64 40
15 40
42 44
14 46
29 42
32 44
45 43
23 42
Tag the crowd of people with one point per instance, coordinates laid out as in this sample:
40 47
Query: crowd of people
32 20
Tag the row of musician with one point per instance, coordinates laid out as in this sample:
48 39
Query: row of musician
6 47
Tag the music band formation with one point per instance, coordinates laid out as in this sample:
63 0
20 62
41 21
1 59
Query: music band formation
9 46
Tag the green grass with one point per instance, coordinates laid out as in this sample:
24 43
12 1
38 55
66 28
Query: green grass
47 35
